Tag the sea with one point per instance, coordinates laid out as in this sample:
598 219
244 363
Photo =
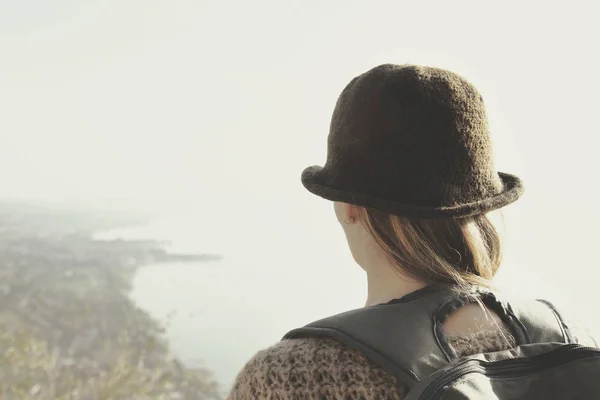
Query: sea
218 314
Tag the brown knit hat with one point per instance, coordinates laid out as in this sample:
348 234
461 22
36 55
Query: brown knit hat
412 141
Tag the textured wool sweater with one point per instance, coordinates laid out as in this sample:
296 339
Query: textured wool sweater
323 369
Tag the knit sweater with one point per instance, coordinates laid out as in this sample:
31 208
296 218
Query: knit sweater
323 369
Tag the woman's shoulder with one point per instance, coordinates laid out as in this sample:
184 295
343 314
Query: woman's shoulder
308 368
584 332
322 368
580 321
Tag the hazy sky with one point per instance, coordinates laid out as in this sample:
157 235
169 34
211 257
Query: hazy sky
220 105
213 108
170 99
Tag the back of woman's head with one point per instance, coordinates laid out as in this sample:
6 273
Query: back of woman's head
410 147
460 252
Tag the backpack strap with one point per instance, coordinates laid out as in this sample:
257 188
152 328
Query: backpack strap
398 336
537 315
406 336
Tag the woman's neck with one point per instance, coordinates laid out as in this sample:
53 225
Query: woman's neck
385 283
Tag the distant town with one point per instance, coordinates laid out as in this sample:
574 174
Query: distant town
68 329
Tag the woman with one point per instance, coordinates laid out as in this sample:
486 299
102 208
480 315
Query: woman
412 178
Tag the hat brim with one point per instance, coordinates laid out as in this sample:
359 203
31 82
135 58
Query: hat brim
314 182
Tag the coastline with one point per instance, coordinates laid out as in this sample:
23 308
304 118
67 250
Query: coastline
67 321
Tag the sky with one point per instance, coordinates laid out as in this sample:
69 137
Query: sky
211 110
216 106
181 99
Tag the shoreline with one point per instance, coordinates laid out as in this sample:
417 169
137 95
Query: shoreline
67 295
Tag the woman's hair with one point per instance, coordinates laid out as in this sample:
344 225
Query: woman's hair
461 253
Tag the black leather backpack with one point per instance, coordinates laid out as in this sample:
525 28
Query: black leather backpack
406 337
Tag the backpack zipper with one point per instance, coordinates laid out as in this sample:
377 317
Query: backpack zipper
510 367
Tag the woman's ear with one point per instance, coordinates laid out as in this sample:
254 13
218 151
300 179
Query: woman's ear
349 213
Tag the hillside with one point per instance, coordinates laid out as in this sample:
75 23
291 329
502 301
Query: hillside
68 329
